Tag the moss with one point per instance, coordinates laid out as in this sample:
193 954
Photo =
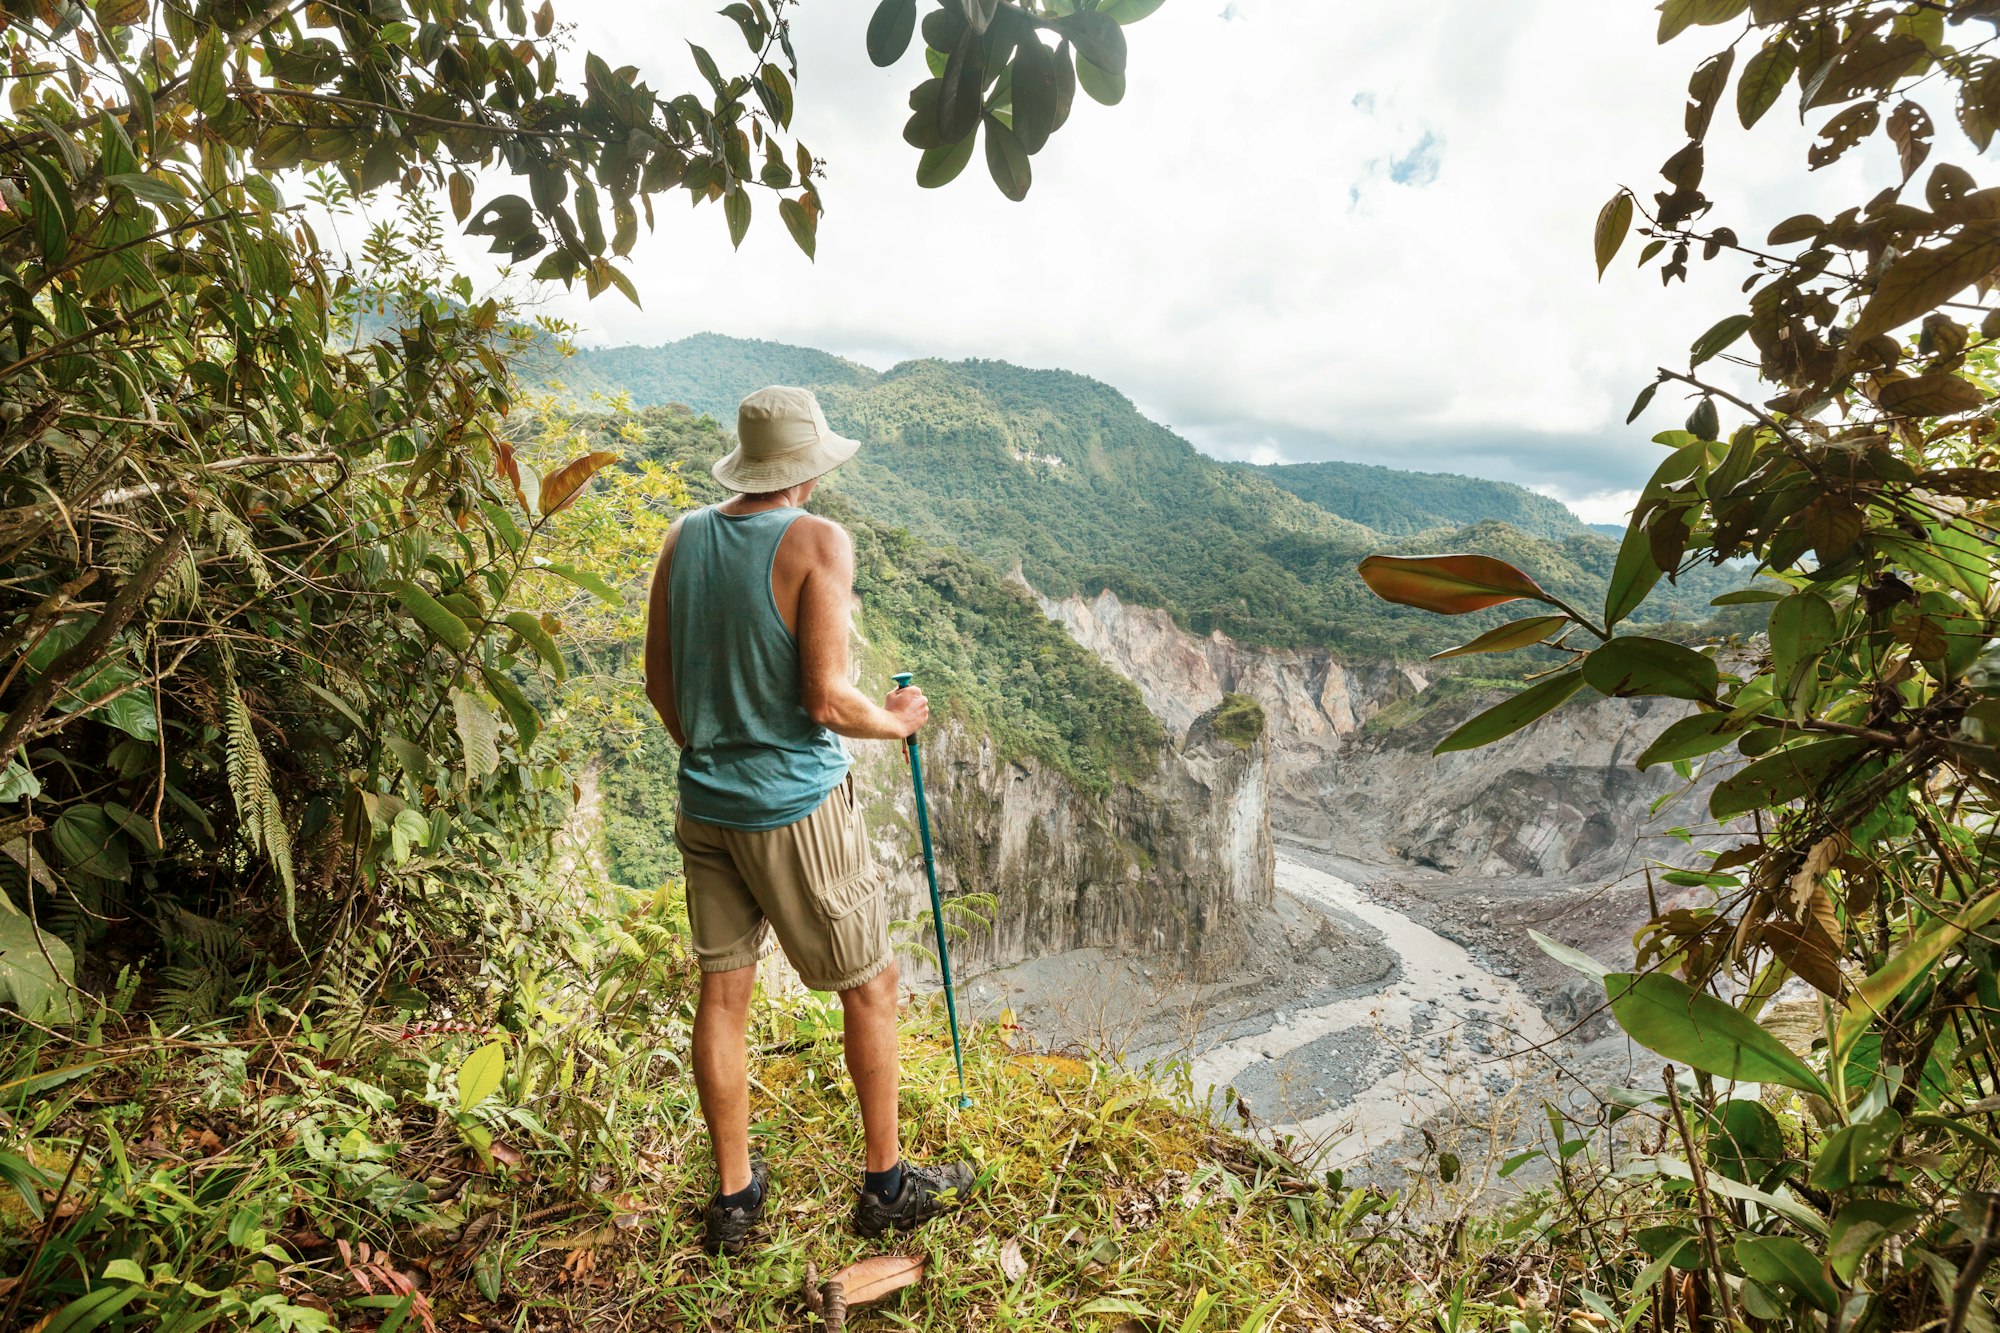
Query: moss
1239 719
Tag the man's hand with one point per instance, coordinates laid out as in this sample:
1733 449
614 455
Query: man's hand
909 707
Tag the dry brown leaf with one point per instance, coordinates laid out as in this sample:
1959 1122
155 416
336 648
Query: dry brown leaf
1011 1263
873 1278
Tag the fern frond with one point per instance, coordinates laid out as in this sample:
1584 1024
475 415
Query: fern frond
257 806
233 535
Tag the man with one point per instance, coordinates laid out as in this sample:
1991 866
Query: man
746 661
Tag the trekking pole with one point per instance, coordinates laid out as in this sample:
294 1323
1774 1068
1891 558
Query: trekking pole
902 679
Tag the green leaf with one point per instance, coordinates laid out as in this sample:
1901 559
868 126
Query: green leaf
1504 638
1801 629
1099 40
1509 716
1853 1155
1690 738
1633 575
736 209
207 89
432 614
1861 1226
1570 957
1780 1261
527 722
89 1311
940 166
36 972
1785 776
478 733
1103 87
1669 1018
479 1077
802 223
1642 402
51 212
1764 79
1678 15
1007 161
889 31
1633 664
1724 332
1747 597
529 627
1918 955
588 580
1613 221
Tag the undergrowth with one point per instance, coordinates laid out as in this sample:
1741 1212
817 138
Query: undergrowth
542 1166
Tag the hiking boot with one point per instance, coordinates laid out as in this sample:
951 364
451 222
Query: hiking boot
728 1229
918 1201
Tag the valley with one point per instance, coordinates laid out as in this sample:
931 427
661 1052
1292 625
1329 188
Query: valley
1195 819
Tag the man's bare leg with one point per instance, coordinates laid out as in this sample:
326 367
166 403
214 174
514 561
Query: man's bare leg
868 1027
721 1074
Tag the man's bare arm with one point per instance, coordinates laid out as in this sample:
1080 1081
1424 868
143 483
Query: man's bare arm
659 648
825 604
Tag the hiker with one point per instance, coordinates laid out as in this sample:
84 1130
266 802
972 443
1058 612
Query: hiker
746 661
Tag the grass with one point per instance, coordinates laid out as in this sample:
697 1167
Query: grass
259 1175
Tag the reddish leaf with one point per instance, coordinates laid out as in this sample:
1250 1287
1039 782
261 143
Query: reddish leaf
561 486
872 1279
1450 584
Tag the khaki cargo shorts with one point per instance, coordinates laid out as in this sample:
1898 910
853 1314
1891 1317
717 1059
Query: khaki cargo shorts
812 881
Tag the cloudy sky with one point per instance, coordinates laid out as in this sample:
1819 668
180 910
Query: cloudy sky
1312 230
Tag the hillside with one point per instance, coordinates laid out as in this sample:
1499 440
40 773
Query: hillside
1061 475
1397 503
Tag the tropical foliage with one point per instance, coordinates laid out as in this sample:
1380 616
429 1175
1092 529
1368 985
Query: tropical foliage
1860 743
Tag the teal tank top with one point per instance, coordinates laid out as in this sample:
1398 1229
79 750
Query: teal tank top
754 759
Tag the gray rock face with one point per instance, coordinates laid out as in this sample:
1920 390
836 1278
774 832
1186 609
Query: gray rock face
1560 799
1170 867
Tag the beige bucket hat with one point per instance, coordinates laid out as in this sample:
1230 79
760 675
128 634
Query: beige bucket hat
782 439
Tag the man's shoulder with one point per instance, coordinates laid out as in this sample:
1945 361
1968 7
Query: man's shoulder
820 538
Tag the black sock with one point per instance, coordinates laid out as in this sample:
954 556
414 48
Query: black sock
747 1197
883 1184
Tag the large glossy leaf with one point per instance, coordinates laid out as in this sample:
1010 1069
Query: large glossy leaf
1102 86
1801 628
1632 575
1690 738
1509 716
537 636
1636 665
1862 1225
562 485
1780 1261
1670 1018
1505 638
1854 1154
1007 161
1448 584
1785 776
940 166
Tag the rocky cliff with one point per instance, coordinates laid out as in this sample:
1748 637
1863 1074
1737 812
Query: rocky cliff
1172 867
1350 744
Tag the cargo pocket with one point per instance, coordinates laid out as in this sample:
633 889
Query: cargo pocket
850 901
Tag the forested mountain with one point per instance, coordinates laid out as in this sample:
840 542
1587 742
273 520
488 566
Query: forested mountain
1061 475
1398 503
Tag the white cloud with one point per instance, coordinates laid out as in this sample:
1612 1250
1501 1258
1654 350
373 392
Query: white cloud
1311 230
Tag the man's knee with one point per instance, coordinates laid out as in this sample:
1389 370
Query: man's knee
878 992
729 991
